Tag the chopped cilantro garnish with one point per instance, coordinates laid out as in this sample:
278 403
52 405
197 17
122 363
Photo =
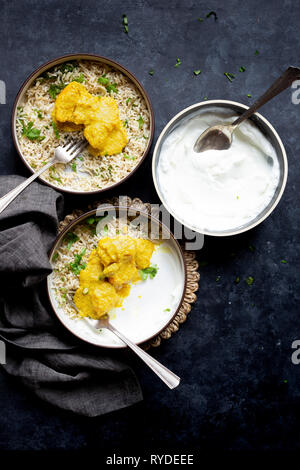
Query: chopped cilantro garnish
230 76
250 280
212 13
197 72
77 265
129 157
31 132
126 123
256 52
39 113
150 271
151 72
103 80
167 310
178 62
108 85
249 96
125 24
70 238
55 256
242 69
105 229
284 261
141 122
54 90
79 79
55 129
205 98
54 176
74 167
112 87
68 67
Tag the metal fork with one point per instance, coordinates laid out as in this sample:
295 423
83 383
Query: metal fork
167 376
62 154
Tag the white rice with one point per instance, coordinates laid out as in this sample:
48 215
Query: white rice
88 173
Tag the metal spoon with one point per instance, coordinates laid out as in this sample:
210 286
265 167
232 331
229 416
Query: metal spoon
167 376
220 137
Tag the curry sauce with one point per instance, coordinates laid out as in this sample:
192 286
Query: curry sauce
98 116
112 266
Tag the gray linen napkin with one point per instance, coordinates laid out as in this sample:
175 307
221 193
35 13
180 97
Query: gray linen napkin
47 359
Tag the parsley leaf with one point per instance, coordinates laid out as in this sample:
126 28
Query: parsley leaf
212 13
55 256
125 24
150 271
129 157
250 280
108 85
31 132
112 87
77 265
54 90
70 238
53 175
55 129
178 62
230 76
197 72
242 69
74 167
141 122
79 79
151 72
68 66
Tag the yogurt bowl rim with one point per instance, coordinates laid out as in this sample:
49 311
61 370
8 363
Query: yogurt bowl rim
271 131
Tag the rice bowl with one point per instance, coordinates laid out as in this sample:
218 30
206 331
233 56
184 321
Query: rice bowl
147 310
35 102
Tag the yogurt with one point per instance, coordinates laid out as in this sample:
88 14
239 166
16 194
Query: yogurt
217 190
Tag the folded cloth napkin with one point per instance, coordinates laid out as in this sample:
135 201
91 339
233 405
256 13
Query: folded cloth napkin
46 358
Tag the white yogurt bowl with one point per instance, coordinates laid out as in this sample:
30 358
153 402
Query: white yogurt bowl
226 207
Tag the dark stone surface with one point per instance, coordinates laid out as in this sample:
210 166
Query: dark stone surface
234 352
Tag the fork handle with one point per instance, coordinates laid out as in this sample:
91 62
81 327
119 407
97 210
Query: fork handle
9 197
168 377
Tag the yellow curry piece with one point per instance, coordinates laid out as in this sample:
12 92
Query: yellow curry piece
76 109
112 266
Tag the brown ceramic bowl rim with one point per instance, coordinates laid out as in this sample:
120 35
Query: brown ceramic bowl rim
97 58
150 217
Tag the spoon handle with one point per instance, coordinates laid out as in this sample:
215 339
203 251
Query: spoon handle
168 377
287 78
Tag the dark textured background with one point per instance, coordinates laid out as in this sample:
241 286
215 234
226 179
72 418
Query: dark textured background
233 353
